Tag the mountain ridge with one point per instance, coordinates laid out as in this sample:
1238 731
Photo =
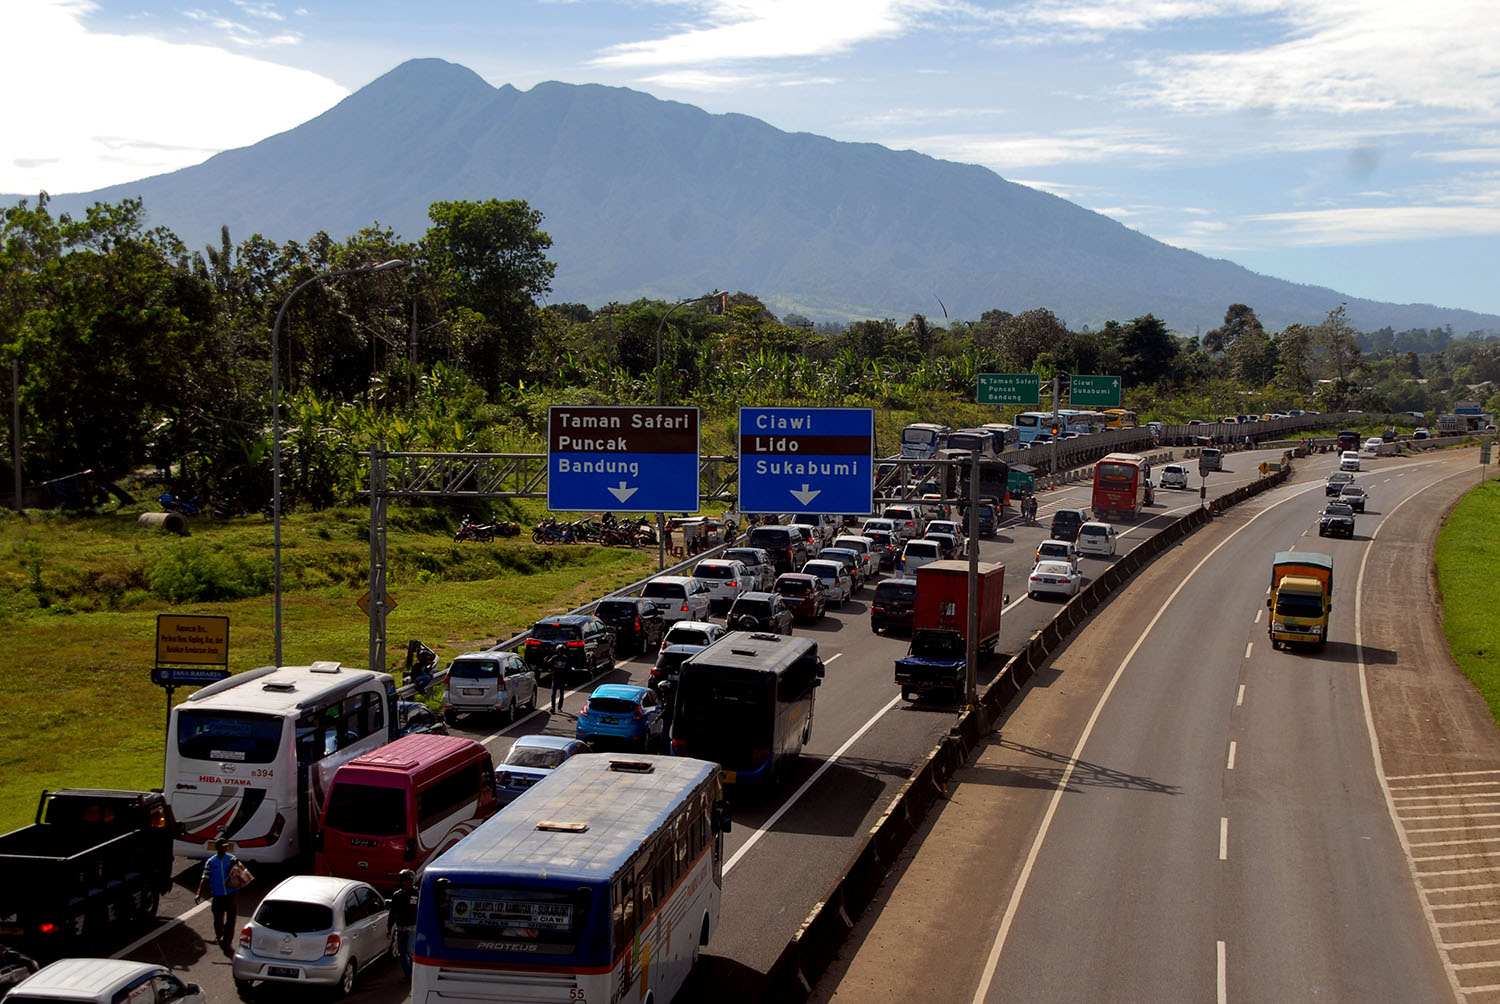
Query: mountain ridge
646 197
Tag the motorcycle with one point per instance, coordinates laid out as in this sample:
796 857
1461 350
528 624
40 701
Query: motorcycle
185 507
469 530
550 531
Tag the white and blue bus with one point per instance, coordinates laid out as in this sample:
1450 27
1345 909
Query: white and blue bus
746 703
922 440
1085 423
1029 423
601 884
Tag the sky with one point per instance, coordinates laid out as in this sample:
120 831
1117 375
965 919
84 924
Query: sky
1353 144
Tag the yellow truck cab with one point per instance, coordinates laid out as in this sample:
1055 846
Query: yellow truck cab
1301 598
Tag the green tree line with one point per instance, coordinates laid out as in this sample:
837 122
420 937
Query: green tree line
135 351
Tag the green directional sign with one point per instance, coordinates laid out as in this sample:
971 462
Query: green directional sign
1009 388
1094 391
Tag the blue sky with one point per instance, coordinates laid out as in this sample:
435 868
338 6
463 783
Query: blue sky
1347 143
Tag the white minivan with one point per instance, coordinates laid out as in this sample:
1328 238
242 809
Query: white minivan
104 981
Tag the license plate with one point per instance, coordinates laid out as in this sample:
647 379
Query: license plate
729 777
13 931
609 721
362 842
285 972
471 691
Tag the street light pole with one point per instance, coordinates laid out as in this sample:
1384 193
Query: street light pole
661 518
384 266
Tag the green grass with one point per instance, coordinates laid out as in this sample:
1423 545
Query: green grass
79 597
1468 552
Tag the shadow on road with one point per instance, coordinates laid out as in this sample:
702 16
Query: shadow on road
1046 768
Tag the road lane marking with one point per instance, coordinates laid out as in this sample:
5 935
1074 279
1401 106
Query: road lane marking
1249 645
1223 838
987 977
1232 747
1257 615
1221 981
1239 697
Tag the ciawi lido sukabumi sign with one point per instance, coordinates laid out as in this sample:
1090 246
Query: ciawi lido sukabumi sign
807 460
622 459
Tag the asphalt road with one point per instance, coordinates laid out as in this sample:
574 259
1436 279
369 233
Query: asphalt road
786 847
1175 811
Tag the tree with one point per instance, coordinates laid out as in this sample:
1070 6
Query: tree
1146 350
1238 320
1252 357
1336 338
1025 336
490 258
1293 352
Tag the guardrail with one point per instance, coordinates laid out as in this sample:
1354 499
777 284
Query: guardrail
807 955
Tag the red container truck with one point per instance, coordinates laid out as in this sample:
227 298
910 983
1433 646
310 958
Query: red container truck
938 657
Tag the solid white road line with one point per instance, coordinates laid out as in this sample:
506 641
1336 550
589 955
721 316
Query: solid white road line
987 977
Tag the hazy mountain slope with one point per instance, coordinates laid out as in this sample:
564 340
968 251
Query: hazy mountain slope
657 198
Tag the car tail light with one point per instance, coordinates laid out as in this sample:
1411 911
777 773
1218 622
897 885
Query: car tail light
245 936
733 584
638 623
639 713
679 748
331 946
47 928
575 644
410 854
531 641
685 608
585 709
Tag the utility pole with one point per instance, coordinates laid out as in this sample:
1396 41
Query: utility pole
971 642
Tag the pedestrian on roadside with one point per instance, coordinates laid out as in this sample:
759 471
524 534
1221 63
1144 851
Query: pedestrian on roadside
559 682
215 886
401 921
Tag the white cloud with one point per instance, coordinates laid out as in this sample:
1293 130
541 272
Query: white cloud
738 30
1004 153
116 108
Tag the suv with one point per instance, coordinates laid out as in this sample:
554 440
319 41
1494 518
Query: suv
678 597
637 624
822 527
810 538
887 548
725 579
893 604
784 545
917 553
702 633
1336 520
1211 458
1353 496
1065 523
908 521
865 548
1058 550
1336 482
585 643
1174 476
757 563
1349 460
760 611
484 682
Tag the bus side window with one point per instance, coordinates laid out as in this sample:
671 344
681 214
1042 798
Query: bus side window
309 738
617 898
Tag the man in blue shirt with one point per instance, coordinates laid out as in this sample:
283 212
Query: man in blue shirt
215 883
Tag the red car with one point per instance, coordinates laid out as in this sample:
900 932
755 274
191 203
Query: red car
803 594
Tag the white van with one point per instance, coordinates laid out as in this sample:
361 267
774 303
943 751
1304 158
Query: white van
104 981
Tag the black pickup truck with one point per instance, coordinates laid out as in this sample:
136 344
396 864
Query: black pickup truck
93 861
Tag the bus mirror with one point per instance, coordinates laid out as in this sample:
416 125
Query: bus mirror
821 670
723 816
1268 599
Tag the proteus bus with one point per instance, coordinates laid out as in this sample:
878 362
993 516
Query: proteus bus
600 885
746 702
251 757
922 440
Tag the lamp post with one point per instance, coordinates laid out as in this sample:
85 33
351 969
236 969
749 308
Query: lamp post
384 266
661 519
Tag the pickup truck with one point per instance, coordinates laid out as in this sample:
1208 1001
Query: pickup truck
1301 598
937 659
93 860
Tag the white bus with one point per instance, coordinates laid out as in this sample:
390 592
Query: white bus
1029 423
601 884
251 757
922 440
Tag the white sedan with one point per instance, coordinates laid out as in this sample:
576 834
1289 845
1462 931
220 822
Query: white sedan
1056 578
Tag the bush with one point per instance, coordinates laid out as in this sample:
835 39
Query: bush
192 573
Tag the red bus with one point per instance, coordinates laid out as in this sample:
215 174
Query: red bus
402 805
1120 485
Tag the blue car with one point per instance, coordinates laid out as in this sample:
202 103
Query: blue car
530 760
620 715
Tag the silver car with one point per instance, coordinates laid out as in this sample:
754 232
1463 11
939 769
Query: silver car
313 930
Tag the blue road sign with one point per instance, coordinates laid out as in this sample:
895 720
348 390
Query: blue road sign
812 460
183 676
622 459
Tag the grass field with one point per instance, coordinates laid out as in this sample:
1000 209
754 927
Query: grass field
1468 557
79 598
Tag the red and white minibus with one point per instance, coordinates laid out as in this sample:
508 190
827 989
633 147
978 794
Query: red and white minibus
402 805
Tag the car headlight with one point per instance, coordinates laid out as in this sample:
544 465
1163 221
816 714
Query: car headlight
1278 626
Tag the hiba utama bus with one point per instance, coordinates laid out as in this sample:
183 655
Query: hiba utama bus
746 702
250 757
402 805
600 885
1120 485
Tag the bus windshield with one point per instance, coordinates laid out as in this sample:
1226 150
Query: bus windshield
480 916
1121 473
915 436
241 736
722 701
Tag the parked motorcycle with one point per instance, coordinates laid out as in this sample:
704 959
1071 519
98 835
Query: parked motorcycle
469 530
550 531
186 507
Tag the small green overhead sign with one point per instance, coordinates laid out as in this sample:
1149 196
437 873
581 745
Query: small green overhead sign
1008 388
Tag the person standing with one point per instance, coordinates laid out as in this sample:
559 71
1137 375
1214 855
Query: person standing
222 896
402 918
559 666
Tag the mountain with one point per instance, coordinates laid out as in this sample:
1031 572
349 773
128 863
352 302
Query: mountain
644 197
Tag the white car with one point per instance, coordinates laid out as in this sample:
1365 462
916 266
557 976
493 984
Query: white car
838 586
498 682
678 597
725 578
907 519
917 553
1373 444
878 523
1349 460
757 562
810 538
1174 476
312 930
1058 550
1096 538
692 633
1053 578
865 548
953 528
853 562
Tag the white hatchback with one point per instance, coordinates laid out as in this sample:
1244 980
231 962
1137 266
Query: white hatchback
725 578
1096 538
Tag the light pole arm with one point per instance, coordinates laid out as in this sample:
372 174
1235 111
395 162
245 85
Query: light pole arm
660 325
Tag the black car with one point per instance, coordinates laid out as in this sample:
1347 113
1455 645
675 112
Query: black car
986 517
785 545
887 547
638 623
1336 482
892 605
1336 520
1065 523
758 611
413 717
585 644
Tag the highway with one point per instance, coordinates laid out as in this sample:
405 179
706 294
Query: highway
787 846
1176 811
